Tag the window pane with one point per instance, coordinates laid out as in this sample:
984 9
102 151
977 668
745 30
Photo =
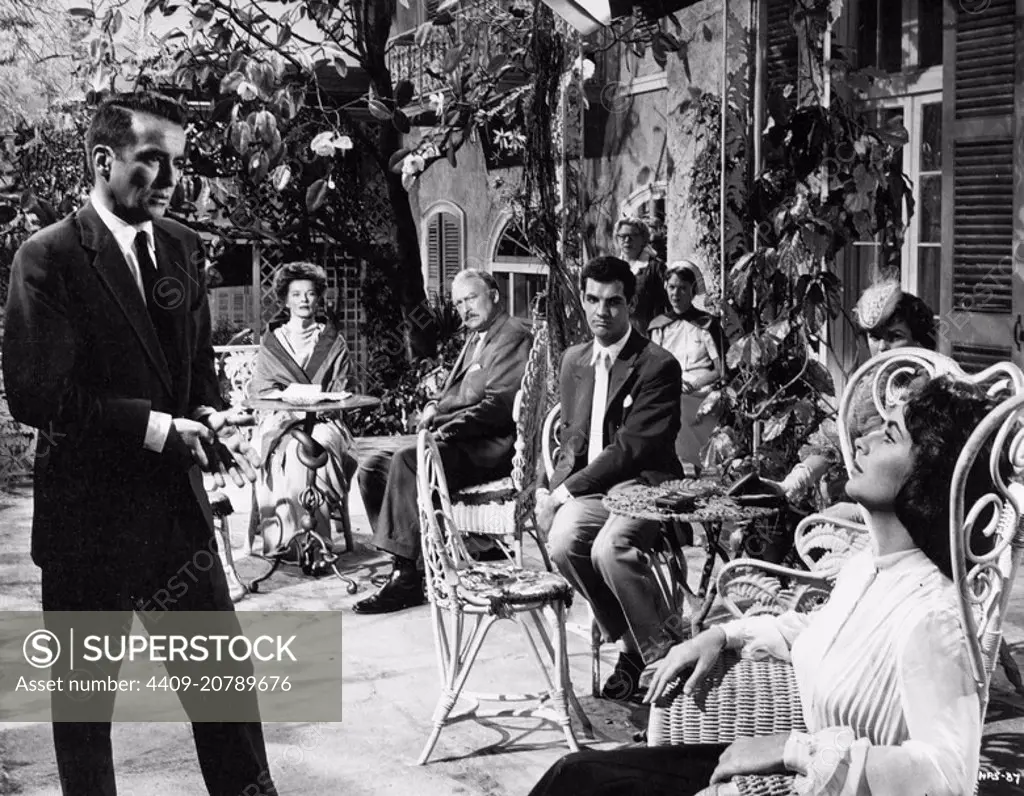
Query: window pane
522 300
867 33
929 42
931 137
502 280
931 208
512 243
929 277
885 116
890 40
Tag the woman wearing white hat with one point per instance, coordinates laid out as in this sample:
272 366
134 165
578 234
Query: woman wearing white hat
694 337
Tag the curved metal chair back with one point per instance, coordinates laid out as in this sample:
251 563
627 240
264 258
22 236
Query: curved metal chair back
551 438
881 385
444 552
985 578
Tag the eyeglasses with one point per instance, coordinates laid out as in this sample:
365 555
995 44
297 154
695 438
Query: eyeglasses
628 235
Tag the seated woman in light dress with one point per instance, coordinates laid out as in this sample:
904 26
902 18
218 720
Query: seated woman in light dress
301 350
694 337
883 669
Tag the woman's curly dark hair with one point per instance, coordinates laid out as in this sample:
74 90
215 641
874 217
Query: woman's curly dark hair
940 417
291 272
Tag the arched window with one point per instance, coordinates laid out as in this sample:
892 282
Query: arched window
519 272
444 249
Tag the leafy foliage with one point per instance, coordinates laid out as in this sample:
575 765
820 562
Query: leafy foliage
827 179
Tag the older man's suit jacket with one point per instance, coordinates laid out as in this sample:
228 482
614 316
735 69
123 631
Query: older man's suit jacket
474 409
83 364
640 424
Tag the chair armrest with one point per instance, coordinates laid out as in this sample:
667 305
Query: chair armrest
740 698
749 587
824 542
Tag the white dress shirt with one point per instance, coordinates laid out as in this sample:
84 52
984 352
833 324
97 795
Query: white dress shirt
884 679
562 493
159 425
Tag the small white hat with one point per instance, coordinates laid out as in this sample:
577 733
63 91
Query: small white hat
877 304
693 268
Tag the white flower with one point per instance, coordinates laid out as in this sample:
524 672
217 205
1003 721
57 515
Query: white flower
587 68
437 102
412 165
322 145
325 143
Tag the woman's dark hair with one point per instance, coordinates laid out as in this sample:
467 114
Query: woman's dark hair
292 272
607 269
940 417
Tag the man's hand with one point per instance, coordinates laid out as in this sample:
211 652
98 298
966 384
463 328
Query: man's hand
700 653
237 416
427 416
547 507
231 454
188 438
763 755
216 446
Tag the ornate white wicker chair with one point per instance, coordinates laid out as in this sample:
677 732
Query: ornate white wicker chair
460 588
745 698
504 509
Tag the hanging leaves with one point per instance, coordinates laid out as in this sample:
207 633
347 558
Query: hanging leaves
378 110
316 195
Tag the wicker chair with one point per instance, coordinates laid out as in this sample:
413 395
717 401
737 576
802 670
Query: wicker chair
746 698
460 588
670 561
504 509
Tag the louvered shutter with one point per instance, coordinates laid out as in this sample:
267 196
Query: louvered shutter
434 255
978 190
782 55
451 258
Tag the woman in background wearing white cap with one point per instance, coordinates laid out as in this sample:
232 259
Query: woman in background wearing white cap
694 337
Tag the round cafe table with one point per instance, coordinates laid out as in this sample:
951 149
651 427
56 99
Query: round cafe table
316 555
713 509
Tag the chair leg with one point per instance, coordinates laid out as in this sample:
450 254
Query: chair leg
562 682
570 693
595 657
346 523
457 668
236 589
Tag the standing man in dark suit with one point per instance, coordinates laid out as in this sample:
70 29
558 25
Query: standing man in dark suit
472 423
620 416
107 352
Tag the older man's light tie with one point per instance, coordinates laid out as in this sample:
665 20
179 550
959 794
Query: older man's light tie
602 366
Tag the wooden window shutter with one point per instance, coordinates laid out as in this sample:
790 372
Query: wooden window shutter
434 255
451 259
978 107
781 57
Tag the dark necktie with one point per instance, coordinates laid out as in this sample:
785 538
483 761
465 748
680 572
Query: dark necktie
159 314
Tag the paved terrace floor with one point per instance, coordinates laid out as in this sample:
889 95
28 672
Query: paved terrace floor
390 687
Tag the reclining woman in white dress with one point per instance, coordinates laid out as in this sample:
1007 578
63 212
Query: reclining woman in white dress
882 668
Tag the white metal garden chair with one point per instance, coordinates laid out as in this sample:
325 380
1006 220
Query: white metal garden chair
746 697
467 597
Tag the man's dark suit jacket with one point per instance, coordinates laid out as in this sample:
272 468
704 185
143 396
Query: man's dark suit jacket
641 419
474 409
83 364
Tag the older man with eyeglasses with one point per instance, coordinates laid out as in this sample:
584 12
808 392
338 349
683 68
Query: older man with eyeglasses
633 237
